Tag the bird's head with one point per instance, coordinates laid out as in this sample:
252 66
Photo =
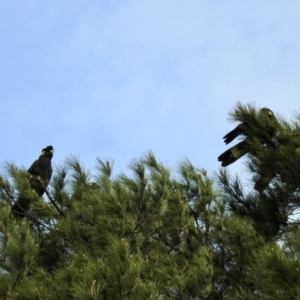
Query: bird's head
267 112
48 151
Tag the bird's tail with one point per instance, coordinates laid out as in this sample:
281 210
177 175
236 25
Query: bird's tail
230 136
233 154
20 207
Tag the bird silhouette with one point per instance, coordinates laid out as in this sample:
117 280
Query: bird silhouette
39 175
237 151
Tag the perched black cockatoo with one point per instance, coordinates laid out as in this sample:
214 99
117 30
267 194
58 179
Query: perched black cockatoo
39 176
234 153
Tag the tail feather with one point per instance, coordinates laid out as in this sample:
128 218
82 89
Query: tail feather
20 207
234 153
230 136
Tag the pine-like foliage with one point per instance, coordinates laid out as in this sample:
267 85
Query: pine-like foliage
271 207
274 166
157 234
125 237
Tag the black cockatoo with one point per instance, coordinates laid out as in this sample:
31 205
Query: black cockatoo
234 153
39 176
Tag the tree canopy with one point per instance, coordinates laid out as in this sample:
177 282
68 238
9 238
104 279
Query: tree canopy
157 233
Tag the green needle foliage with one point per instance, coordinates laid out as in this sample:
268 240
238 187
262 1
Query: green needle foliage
142 236
157 233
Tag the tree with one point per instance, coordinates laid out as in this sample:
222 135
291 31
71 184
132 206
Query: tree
157 234
115 238
270 207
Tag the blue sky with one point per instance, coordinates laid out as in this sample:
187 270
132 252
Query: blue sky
114 79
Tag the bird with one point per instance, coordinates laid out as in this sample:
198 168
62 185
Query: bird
234 153
39 175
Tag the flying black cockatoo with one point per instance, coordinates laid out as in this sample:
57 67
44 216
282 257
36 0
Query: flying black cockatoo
234 153
39 176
